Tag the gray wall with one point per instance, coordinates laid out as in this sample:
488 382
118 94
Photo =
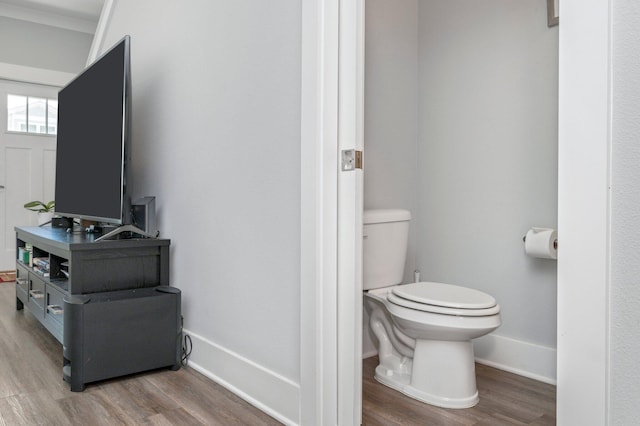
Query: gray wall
625 221
488 154
216 138
391 112
485 160
42 46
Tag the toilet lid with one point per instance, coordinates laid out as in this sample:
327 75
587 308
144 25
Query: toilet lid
444 295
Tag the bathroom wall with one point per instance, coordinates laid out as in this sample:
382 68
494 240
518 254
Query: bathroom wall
486 160
391 112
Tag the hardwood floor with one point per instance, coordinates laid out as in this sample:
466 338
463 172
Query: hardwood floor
32 392
505 399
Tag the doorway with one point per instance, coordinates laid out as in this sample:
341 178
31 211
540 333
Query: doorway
583 125
461 123
27 164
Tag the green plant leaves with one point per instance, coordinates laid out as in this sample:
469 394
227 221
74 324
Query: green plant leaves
39 206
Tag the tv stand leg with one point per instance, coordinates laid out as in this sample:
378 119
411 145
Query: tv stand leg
125 228
77 387
73 376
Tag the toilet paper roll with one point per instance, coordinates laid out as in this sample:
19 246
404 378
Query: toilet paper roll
541 243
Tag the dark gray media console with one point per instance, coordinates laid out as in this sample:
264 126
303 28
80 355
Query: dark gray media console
108 302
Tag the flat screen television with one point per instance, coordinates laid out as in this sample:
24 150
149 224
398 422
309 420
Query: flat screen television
93 143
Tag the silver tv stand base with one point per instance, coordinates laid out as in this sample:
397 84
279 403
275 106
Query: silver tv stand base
125 228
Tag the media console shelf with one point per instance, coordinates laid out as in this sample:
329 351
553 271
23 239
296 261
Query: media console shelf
56 269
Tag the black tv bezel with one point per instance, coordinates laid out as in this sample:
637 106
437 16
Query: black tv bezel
125 195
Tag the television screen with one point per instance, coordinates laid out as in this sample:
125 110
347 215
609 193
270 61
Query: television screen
93 141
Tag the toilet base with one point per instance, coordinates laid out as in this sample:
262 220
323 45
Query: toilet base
443 375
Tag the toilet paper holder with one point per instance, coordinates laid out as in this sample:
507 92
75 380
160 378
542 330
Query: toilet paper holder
555 242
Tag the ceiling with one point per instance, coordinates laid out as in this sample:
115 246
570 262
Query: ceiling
76 15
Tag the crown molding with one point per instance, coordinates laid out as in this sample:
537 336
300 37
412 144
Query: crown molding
48 18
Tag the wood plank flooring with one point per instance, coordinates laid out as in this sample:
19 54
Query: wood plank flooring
32 392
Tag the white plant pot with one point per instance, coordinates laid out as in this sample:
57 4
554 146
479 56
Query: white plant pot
44 217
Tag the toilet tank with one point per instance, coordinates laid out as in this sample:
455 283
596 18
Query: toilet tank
386 233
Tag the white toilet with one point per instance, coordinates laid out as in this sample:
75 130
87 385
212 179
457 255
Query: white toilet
424 329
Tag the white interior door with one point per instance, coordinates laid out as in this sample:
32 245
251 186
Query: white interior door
27 170
350 205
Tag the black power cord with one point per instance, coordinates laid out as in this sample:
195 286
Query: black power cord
187 345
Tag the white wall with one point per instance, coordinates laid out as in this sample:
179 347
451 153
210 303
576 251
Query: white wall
42 46
216 138
625 221
391 113
486 154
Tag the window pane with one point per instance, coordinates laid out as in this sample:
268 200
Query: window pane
37 115
16 113
52 120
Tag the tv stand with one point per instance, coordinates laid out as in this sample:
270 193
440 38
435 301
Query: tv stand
109 304
125 228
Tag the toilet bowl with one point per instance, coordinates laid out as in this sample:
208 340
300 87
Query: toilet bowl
424 330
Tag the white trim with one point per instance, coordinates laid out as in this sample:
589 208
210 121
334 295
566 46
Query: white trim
100 31
319 227
350 205
34 75
525 359
583 206
48 18
270 392
369 353
516 356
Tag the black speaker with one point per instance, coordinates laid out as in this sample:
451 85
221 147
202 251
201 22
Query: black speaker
62 222
144 214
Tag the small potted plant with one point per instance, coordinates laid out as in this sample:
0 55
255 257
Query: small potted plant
45 211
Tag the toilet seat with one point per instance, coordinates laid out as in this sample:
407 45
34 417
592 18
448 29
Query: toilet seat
444 299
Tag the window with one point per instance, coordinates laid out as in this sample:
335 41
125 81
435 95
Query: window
26 114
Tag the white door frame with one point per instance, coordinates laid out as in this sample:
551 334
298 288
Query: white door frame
584 52
331 240
584 146
319 206
350 205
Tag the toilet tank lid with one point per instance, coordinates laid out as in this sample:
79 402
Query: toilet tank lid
385 216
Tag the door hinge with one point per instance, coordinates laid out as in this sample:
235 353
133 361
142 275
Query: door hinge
351 160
